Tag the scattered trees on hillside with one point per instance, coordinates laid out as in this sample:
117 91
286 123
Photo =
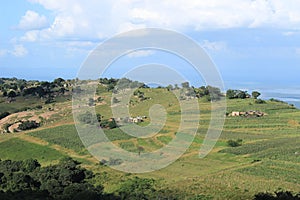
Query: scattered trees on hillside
89 118
18 87
237 94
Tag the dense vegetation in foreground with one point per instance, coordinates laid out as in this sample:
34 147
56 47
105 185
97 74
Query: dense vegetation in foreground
67 180
254 157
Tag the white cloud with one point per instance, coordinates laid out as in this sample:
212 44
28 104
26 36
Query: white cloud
19 51
101 19
140 53
30 36
214 46
32 21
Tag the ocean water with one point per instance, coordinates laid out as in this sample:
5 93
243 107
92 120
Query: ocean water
296 103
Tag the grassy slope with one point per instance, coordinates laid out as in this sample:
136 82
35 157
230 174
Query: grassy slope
17 149
225 174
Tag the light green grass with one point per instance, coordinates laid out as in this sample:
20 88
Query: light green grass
16 149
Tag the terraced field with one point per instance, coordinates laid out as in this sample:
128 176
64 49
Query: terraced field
267 160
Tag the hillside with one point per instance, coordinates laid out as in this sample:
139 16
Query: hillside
266 159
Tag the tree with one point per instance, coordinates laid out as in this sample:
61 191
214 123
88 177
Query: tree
185 85
169 87
91 102
87 118
59 81
231 94
255 94
27 125
11 94
137 188
242 94
115 100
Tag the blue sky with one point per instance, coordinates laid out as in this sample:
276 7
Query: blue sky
254 43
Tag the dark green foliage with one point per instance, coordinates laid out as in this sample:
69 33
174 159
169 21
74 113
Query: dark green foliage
255 94
209 92
277 100
235 143
108 123
27 125
27 180
260 101
17 87
137 188
185 85
4 114
237 94
11 94
281 195
87 118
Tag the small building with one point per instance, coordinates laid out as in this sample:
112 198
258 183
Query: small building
235 114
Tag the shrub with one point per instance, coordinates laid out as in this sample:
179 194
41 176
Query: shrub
4 114
113 161
284 195
87 118
235 143
27 125
260 101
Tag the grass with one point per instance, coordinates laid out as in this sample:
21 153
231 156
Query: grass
278 149
65 136
165 139
21 104
282 171
17 149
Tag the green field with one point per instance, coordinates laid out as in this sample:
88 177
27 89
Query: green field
65 136
17 149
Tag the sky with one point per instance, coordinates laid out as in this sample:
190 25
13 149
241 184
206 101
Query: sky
255 44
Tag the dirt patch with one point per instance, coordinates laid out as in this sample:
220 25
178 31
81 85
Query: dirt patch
14 127
47 115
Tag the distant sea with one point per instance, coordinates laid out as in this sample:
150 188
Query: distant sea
295 100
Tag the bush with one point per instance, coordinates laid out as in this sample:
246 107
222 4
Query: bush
4 114
235 143
284 195
113 161
27 125
259 101
87 118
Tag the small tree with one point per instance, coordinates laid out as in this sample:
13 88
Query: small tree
115 100
255 94
11 94
231 94
235 143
